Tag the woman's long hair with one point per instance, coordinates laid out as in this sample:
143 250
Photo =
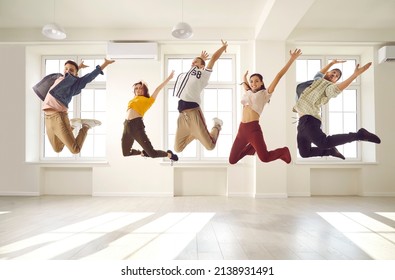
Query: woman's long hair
260 78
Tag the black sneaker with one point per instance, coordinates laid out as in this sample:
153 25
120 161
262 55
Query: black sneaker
335 153
173 157
364 135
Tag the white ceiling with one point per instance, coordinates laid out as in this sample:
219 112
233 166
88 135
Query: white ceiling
359 21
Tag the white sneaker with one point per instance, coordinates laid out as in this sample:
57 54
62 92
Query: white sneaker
218 123
90 122
75 122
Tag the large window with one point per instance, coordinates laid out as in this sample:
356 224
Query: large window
90 104
218 100
341 114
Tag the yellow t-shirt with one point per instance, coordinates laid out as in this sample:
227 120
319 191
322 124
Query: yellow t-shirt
141 104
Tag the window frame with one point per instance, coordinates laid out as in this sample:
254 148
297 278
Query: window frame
355 85
212 85
76 112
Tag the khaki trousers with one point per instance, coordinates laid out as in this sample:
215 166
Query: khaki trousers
191 125
60 133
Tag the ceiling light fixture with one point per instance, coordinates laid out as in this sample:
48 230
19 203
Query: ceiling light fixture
182 30
53 30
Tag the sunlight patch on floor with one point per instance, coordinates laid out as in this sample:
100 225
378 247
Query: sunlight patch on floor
69 237
163 238
372 236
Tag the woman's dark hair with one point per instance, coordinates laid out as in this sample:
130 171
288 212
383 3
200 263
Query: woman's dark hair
260 78
72 63
145 88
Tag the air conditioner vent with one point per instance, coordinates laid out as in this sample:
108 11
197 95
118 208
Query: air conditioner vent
386 54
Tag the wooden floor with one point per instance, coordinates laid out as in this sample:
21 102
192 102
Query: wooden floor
197 228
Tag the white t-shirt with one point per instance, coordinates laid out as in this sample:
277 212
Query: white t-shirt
190 85
256 100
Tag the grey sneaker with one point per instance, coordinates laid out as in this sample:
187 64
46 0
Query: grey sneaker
218 123
75 122
91 123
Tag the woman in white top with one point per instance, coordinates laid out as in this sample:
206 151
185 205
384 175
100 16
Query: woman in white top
249 139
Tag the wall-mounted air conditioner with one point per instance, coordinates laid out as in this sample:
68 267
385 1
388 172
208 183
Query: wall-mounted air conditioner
386 54
132 50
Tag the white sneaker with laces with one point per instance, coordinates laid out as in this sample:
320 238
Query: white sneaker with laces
218 123
75 122
90 122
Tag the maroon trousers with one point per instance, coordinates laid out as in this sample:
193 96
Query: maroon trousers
249 140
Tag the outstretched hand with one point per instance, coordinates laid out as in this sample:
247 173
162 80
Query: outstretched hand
82 65
224 44
204 55
108 61
359 70
335 61
295 54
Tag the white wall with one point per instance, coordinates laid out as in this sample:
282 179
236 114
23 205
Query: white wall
137 176
16 178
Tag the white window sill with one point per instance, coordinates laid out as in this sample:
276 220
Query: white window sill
70 164
187 164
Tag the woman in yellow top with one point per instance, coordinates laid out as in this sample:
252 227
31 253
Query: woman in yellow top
134 128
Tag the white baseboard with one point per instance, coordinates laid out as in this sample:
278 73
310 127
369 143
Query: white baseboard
271 195
240 194
389 194
19 194
133 194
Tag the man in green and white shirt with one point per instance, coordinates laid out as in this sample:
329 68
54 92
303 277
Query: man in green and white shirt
309 106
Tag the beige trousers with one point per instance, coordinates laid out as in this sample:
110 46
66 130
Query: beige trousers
60 133
191 125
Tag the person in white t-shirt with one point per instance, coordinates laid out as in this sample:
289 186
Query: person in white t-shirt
249 139
191 123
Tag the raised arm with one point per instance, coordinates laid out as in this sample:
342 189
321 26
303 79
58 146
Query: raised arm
294 55
106 63
162 85
330 64
358 71
245 83
217 54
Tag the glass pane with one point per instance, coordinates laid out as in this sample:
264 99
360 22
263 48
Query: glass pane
224 145
101 116
210 154
350 122
225 100
226 117
100 100
224 69
87 149
350 150
336 104
172 101
190 150
301 70
350 100
335 123
186 64
87 100
170 142
210 100
314 65
100 146
172 125
176 65
52 66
